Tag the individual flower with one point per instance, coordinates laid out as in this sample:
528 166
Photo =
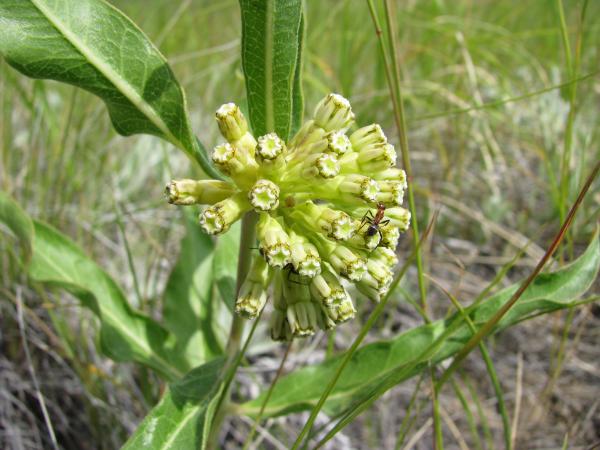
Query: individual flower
316 197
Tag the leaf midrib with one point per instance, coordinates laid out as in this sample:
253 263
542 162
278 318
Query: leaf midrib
182 423
119 82
269 112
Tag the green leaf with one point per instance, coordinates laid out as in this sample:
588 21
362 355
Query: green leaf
225 264
188 308
270 51
92 45
18 222
381 365
125 334
182 419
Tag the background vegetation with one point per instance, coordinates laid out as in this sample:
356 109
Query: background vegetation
492 112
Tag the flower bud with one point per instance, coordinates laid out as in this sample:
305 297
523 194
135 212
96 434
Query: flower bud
338 142
308 134
392 174
270 146
305 257
235 162
376 280
302 317
334 113
274 241
399 217
264 195
191 192
391 193
336 224
253 292
377 158
367 136
344 261
301 312
218 218
390 235
340 312
327 165
231 121
327 288
359 186
386 255
280 327
325 321
310 165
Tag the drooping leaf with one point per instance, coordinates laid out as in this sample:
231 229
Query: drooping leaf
225 264
18 222
92 45
182 419
383 364
125 334
270 50
188 308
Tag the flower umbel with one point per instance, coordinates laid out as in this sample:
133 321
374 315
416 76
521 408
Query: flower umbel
330 215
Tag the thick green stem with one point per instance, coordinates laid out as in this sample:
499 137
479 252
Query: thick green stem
248 236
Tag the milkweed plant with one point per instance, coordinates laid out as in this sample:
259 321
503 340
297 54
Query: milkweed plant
313 196
320 201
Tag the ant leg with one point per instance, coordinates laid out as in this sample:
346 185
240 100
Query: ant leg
384 222
380 240
367 219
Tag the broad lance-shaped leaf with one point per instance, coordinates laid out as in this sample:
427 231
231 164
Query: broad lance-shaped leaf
188 298
125 334
182 418
92 45
270 51
380 364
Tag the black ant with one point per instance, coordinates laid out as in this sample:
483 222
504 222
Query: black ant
291 270
374 221
289 267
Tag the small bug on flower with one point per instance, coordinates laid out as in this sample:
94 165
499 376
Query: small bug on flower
374 221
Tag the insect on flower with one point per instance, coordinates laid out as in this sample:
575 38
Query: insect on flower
374 222
297 277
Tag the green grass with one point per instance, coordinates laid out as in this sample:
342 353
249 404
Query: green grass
489 128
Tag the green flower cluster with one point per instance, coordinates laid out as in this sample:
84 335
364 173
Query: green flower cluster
315 197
